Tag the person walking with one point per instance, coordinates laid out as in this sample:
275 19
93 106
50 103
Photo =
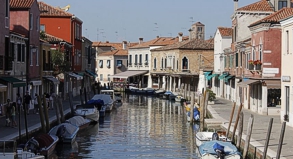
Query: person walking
18 103
27 102
12 115
51 101
7 113
36 104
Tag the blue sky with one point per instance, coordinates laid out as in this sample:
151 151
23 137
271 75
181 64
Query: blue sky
118 20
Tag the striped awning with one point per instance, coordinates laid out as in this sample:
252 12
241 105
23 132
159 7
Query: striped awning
128 74
273 84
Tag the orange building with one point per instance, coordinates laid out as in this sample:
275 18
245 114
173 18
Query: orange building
64 25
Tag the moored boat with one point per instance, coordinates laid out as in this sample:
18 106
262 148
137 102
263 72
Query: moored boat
43 144
79 121
202 137
65 131
102 101
218 150
87 111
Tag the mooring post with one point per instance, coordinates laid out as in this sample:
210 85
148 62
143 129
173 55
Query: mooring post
191 109
236 123
264 156
60 105
41 112
247 140
240 129
281 140
231 118
206 99
56 108
70 103
45 107
80 95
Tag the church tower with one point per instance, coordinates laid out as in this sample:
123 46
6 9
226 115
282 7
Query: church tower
197 31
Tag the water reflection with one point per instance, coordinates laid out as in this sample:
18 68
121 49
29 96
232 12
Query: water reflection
143 127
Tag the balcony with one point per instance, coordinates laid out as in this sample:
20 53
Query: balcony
185 70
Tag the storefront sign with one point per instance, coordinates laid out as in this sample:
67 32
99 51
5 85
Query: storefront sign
270 70
286 79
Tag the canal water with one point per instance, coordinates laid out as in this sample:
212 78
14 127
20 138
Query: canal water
142 127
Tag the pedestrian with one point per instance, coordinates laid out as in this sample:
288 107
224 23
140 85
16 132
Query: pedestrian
12 115
47 100
36 104
27 102
18 103
7 113
51 101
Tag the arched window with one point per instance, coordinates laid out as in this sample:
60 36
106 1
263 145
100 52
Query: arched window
162 63
165 62
155 63
185 63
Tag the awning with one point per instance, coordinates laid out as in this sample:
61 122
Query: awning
78 77
247 82
227 78
14 81
206 74
211 76
36 83
222 76
273 84
52 79
128 74
91 73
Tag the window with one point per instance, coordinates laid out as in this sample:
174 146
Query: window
225 61
130 59
23 48
140 59
177 65
43 27
77 31
169 61
260 52
162 63
247 59
287 41
47 56
38 23
119 63
199 29
155 63
12 52
165 62
282 4
31 21
253 53
185 63
31 56
236 59
287 98
146 58
101 77
101 63
135 60
19 52
173 64
109 77
7 9
108 63
37 57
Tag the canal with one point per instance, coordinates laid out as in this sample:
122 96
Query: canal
142 127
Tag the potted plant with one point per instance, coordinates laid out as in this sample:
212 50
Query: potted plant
257 64
250 64
212 97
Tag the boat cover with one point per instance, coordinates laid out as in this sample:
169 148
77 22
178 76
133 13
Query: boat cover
70 129
196 114
209 148
98 98
77 120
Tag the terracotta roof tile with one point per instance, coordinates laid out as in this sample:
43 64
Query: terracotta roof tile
224 31
115 53
161 41
262 5
21 4
51 38
117 46
195 44
276 17
52 11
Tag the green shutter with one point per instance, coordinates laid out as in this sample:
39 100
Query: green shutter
236 60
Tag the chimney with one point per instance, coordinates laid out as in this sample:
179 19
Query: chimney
124 45
180 36
158 36
190 32
140 40
107 41
235 5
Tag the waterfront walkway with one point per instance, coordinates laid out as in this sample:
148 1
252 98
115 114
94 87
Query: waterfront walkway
221 112
33 121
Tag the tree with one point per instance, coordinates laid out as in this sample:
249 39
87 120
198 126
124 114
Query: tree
60 64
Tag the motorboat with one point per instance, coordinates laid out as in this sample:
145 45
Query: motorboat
179 98
102 102
87 111
133 89
7 152
80 121
159 92
43 144
202 137
147 90
65 131
218 150
169 95
118 97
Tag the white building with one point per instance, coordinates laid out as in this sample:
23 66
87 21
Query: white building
222 40
286 70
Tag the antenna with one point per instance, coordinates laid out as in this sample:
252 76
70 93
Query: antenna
191 20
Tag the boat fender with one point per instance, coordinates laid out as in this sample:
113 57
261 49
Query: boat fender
215 136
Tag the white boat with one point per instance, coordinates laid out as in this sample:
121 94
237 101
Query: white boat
10 153
103 101
179 98
65 131
87 111
202 137
218 150
80 121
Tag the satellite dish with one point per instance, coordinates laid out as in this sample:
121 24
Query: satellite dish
66 8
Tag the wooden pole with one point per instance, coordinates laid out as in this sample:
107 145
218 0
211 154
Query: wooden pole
60 105
41 112
281 140
185 91
206 99
45 107
85 95
80 95
56 108
201 113
247 140
264 156
189 94
191 110
231 118
236 122
70 103
240 130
